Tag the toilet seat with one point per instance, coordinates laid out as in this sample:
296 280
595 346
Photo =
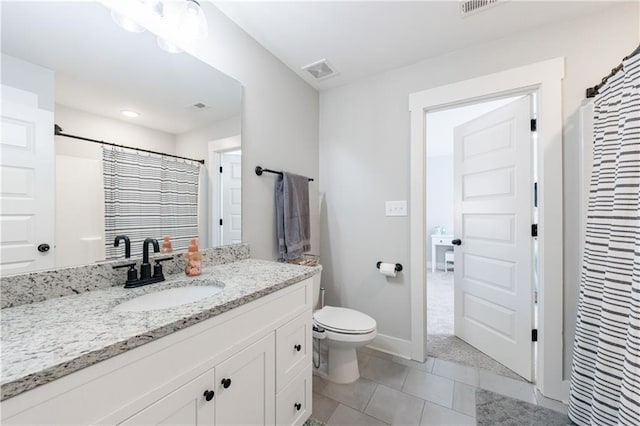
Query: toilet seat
344 321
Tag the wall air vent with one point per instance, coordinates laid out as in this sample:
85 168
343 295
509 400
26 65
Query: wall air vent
320 70
470 7
198 106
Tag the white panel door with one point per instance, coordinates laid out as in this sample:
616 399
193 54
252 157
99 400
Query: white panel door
493 300
27 188
232 197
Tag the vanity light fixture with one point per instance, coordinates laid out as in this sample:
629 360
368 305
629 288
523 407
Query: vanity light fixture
192 23
168 47
129 113
184 20
187 22
126 23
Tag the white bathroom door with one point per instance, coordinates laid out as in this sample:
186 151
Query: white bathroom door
232 197
27 187
493 204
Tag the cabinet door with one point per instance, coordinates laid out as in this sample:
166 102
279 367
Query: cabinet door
184 406
245 386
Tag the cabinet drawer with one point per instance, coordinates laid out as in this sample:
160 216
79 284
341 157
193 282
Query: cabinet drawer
293 403
293 349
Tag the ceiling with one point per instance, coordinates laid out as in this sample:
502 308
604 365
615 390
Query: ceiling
103 69
363 38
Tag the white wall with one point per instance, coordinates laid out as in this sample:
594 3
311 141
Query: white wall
279 126
195 143
29 77
364 156
88 125
439 201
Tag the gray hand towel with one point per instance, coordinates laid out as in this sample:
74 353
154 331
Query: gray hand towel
292 215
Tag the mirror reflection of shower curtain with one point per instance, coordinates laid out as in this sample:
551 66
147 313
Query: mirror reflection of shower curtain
149 197
606 353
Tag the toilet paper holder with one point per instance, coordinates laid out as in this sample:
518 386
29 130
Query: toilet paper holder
398 266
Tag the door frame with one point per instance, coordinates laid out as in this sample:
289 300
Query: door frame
215 149
545 78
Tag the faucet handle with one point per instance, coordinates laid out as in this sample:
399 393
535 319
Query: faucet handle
157 268
132 273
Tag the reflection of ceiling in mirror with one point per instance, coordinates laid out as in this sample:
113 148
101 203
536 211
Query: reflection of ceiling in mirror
101 68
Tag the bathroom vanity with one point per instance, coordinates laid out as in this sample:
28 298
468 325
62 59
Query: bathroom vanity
240 356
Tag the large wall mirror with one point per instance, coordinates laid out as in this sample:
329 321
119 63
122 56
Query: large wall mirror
64 196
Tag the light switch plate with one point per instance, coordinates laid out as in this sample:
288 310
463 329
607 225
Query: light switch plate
396 208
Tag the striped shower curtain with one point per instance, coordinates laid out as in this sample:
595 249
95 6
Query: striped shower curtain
149 197
605 380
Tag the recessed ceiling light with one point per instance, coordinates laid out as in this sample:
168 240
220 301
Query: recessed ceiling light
129 113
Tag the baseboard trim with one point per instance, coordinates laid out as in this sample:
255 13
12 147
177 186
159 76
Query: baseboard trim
566 386
392 345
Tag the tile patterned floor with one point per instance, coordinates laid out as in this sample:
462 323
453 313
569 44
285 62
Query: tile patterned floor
394 391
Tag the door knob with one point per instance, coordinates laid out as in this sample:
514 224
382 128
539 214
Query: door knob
298 348
226 383
456 242
298 406
208 395
43 248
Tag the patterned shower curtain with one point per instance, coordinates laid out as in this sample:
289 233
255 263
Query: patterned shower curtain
605 380
149 197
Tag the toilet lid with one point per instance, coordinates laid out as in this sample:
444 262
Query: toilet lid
343 319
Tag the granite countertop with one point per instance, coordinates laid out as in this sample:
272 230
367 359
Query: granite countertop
44 341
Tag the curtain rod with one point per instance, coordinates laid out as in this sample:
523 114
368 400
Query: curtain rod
57 131
259 170
591 92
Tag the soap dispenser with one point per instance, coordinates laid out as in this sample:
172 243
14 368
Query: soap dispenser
193 259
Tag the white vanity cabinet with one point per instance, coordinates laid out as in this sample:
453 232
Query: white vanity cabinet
248 357
239 391
245 386
184 406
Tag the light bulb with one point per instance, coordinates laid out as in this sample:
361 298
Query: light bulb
126 22
167 46
129 113
192 22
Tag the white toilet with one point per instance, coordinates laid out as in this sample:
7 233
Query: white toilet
345 330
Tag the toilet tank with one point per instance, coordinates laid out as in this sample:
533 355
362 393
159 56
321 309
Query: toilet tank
316 289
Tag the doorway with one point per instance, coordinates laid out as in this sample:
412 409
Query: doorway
546 78
226 191
471 174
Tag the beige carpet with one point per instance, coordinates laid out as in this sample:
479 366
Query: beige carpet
441 342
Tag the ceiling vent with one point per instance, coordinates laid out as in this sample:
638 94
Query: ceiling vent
321 70
198 106
470 7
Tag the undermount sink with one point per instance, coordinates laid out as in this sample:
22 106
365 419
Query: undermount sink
168 298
